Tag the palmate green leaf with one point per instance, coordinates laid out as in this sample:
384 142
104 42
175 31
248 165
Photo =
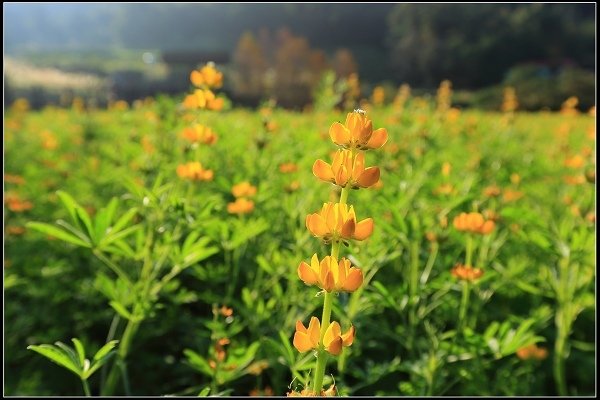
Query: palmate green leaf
57 233
77 213
57 356
104 350
117 235
124 220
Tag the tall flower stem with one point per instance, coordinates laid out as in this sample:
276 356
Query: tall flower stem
326 317
466 289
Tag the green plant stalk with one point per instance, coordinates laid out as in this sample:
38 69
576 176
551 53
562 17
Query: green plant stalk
466 289
559 364
86 388
326 317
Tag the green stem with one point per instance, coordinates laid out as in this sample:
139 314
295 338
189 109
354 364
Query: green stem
116 269
464 304
322 353
469 250
86 388
559 365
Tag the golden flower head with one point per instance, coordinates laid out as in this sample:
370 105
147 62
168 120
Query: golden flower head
199 133
287 168
306 339
243 189
357 132
331 275
344 170
240 206
473 223
532 352
337 222
207 76
194 171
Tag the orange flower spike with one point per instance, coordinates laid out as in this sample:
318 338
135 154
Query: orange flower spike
343 170
357 132
307 339
330 275
474 223
194 171
333 340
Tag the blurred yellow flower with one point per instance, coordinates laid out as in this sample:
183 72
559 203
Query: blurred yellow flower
333 340
194 171
466 272
207 76
240 206
200 133
243 189
474 223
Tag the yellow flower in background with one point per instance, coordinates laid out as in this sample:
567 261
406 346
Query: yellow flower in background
287 168
194 171
473 223
446 168
466 272
200 133
243 189
509 101
444 95
337 222
378 96
357 132
331 275
207 76
569 106
575 162
240 206
344 171
532 352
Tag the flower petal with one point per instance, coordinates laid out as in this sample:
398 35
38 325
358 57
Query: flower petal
348 337
314 331
306 274
302 342
339 134
316 224
335 347
323 171
363 229
378 138
369 177
353 280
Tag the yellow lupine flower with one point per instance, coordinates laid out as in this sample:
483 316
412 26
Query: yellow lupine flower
333 340
194 171
240 206
474 223
357 132
336 222
343 170
331 275
243 189
199 133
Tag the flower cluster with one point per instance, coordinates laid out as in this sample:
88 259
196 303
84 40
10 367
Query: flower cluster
241 192
334 224
204 79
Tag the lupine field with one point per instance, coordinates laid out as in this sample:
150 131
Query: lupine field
182 246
